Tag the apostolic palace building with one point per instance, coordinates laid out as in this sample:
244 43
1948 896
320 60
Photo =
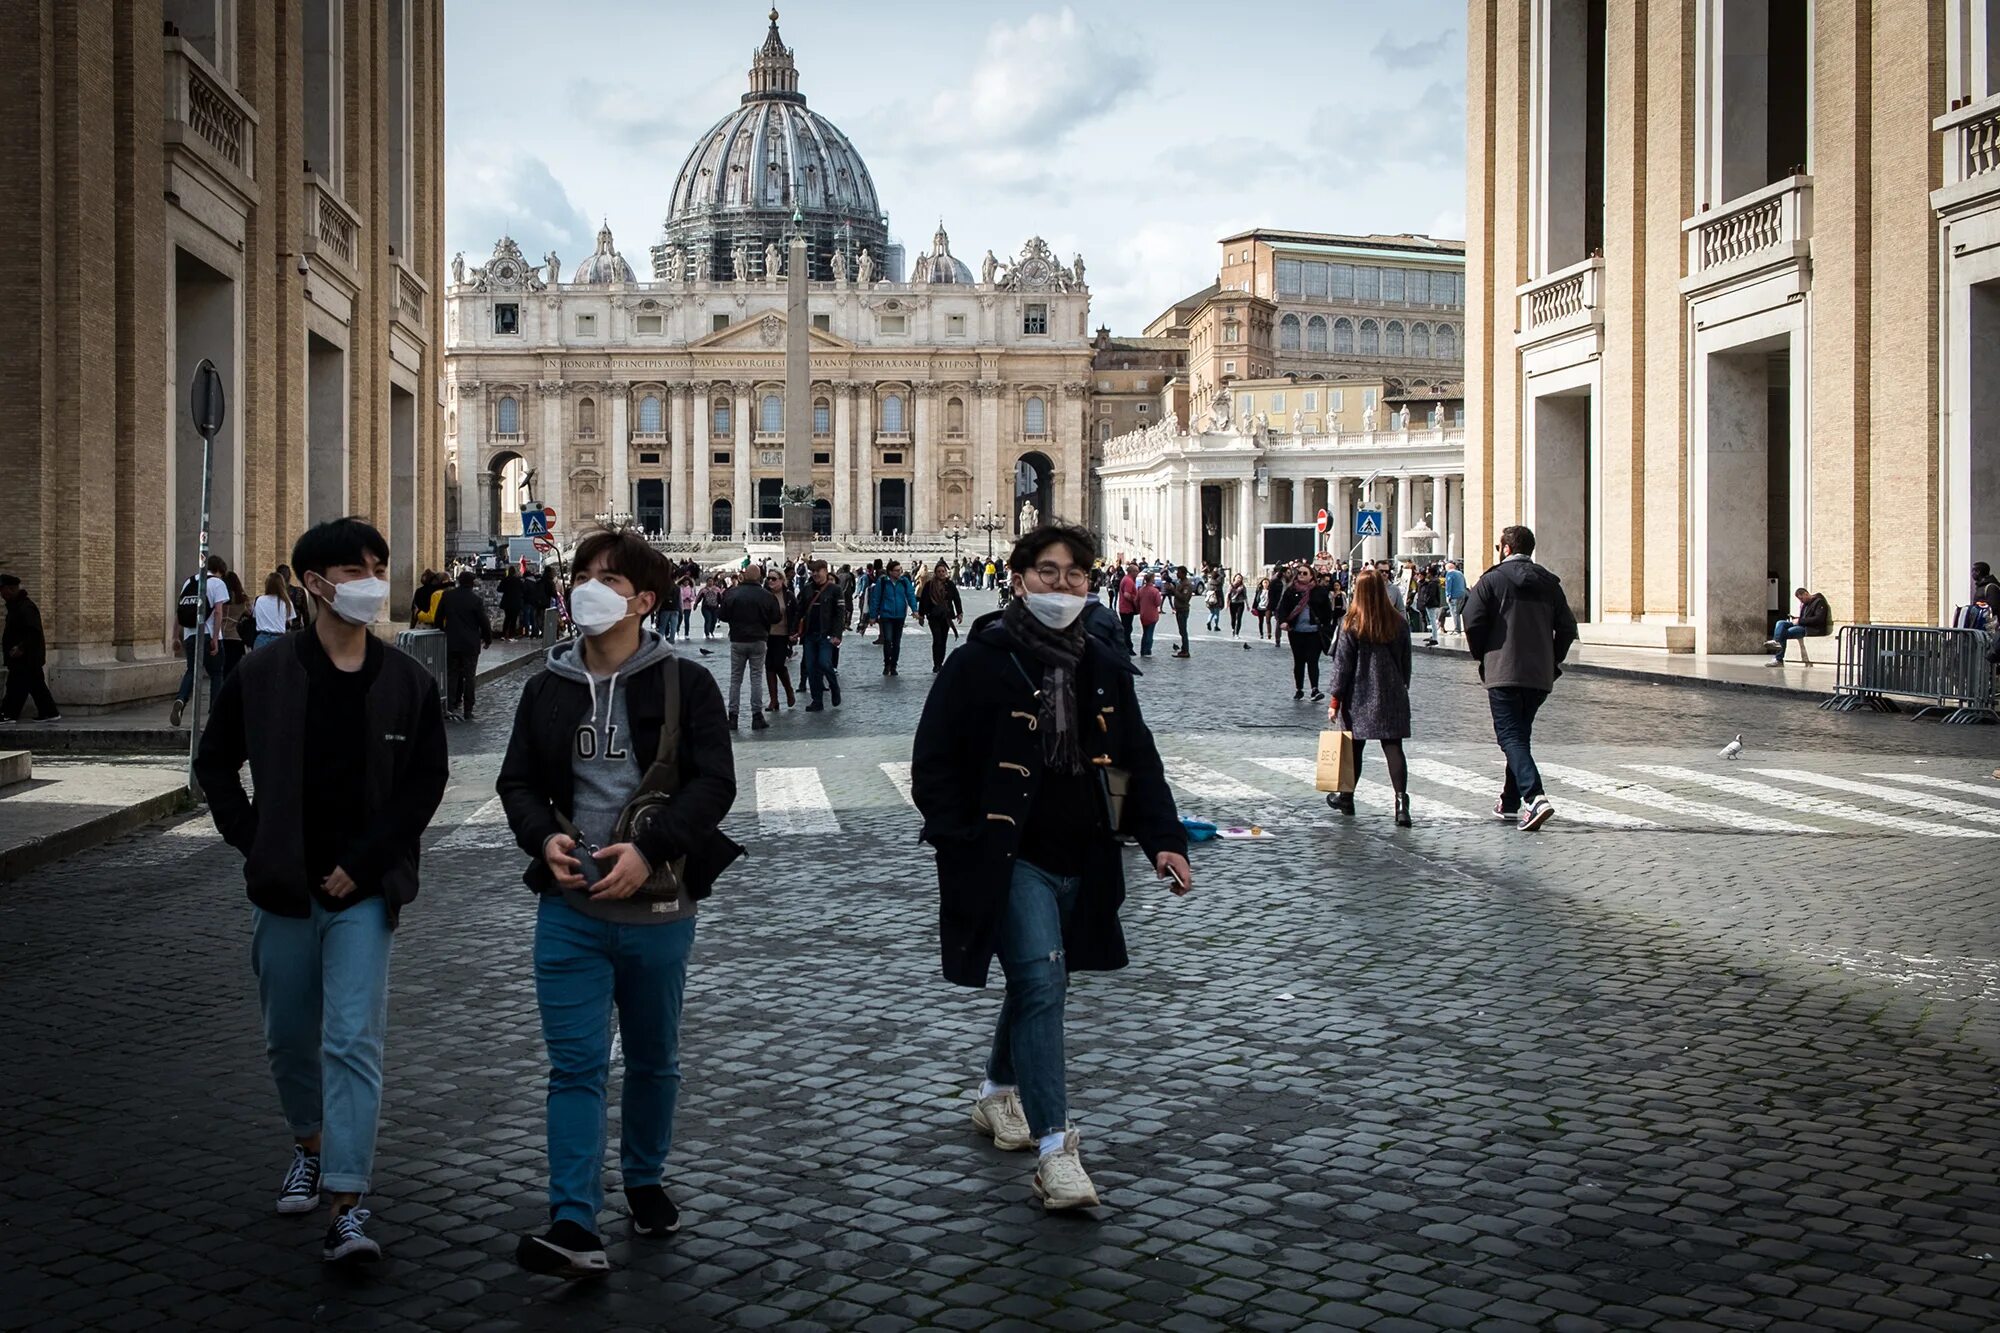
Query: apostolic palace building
936 398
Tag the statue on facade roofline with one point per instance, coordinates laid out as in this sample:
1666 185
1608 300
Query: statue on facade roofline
1079 270
864 270
1368 419
1298 422
773 265
989 268
458 269
1437 416
555 267
840 266
673 264
741 258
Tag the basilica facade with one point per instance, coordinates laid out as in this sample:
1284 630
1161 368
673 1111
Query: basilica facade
955 395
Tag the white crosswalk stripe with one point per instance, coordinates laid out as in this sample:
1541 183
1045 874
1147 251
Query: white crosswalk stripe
1806 804
1209 784
1990 792
1374 796
1575 812
1653 798
1929 804
793 800
899 774
484 827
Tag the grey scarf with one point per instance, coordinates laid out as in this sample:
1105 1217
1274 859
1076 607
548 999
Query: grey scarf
1058 651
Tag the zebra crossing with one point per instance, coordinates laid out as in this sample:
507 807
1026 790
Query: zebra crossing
1624 797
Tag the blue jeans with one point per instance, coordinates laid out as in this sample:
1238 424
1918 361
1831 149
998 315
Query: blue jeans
1514 709
323 981
211 663
1146 639
818 664
1784 632
1028 1042
583 966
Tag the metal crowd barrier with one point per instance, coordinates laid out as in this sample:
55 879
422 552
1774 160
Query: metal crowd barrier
427 646
1945 670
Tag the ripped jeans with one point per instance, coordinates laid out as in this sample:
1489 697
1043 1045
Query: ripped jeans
1028 1042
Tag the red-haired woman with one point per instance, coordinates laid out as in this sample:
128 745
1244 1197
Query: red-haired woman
1370 681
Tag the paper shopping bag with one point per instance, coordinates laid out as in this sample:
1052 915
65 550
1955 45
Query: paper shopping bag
1339 763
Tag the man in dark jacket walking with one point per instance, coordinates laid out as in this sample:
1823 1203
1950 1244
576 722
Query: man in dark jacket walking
751 612
346 749
24 650
1030 757
461 614
1181 593
1519 625
818 618
1814 619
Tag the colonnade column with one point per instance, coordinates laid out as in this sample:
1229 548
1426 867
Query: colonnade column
621 452
864 458
923 482
743 499
1456 504
701 419
1404 519
1439 521
471 451
843 457
1246 526
677 484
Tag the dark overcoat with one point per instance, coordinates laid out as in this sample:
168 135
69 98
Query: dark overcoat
1372 682
974 774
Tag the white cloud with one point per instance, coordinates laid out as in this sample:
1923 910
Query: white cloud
492 192
1422 51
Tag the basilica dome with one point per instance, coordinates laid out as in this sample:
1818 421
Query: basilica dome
606 265
754 169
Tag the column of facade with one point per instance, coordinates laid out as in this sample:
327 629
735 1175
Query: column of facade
986 472
1456 497
677 477
864 456
1439 521
843 458
698 445
923 484
743 497
1073 484
1404 519
1246 527
471 452
554 480
621 452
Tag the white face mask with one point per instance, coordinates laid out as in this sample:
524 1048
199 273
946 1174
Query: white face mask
357 601
596 608
1057 610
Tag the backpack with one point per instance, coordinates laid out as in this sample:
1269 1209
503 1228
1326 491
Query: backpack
187 610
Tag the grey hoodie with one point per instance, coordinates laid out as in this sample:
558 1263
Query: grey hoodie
606 772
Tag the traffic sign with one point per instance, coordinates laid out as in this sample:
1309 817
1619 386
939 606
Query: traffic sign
1367 523
534 522
205 400
549 514
1322 521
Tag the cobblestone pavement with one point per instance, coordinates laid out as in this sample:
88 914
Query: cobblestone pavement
1715 1050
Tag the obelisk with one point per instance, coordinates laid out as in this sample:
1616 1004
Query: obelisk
798 496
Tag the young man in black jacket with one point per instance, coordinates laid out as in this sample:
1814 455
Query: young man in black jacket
24 651
461 614
818 618
619 878
1519 625
1012 769
346 749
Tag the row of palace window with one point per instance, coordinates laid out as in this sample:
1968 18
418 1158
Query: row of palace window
1360 282
771 416
1374 339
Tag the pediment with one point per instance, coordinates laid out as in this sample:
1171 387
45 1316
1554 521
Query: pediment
765 333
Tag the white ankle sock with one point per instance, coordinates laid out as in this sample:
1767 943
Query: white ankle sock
1052 1143
987 1087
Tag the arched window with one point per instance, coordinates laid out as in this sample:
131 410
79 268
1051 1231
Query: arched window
1447 343
1420 340
771 415
1316 334
1393 343
719 419
507 419
892 414
719 519
822 417
1343 336
1371 338
1288 334
954 416
649 415
586 416
451 423
1035 418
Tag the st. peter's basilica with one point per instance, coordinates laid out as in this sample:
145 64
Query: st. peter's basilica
956 394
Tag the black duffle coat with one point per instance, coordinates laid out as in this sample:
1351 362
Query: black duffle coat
974 774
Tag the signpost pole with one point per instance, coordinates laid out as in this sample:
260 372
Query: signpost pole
206 405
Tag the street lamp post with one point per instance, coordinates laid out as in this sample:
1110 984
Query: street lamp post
956 531
989 523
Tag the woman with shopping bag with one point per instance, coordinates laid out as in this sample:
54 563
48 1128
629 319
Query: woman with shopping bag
1369 682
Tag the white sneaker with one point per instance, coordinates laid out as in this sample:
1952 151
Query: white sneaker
1060 1181
1536 813
1001 1119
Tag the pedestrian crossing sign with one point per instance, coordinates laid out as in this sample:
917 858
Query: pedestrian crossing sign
1367 523
534 523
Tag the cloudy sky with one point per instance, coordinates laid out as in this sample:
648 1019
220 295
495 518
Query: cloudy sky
1137 132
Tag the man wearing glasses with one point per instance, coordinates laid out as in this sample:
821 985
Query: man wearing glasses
1031 758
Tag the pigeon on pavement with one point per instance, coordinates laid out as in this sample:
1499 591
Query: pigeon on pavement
1731 750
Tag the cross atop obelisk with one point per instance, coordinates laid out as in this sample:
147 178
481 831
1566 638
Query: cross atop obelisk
798 498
